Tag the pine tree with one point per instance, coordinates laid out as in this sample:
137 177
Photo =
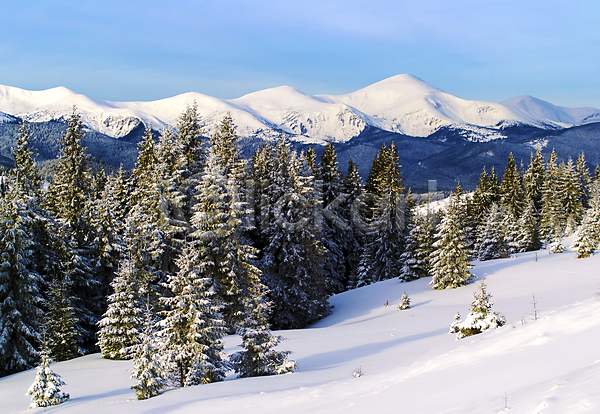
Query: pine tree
583 179
259 357
480 318
534 180
491 244
27 177
570 194
404 302
192 325
45 390
551 216
292 255
20 286
335 232
386 248
416 257
528 238
510 189
121 323
148 367
69 190
189 130
587 237
61 321
449 261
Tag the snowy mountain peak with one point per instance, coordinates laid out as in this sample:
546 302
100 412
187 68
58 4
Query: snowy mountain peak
401 103
551 113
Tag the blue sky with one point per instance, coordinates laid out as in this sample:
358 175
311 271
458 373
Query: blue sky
145 50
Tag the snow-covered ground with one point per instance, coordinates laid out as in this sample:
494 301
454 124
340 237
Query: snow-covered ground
410 363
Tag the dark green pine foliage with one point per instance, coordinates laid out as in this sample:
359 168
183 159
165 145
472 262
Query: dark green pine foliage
570 194
551 217
511 190
583 179
293 257
218 238
60 323
311 161
26 174
69 190
382 255
528 238
352 186
419 245
482 198
335 234
20 286
259 357
68 198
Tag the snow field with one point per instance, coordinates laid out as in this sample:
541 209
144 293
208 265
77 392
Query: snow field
409 361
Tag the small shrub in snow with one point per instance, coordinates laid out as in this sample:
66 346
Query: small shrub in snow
404 302
480 318
45 389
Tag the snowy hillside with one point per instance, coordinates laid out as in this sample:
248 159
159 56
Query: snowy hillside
402 103
409 361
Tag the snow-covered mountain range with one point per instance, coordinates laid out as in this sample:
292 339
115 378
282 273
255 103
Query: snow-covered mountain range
403 104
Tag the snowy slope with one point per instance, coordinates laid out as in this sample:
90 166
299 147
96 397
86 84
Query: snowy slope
410 362
402 103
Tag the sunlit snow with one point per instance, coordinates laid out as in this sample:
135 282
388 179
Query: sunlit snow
409 361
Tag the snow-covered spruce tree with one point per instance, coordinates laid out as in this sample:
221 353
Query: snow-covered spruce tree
570 194
528 238
60 322
404 302
25 173
192 327
20 286
148 367
449 261
352 186
510 189
259 357
551 216
491 244
387 240
293 257
533 181
583 179
480 318
68 198
587 237
45 390
122 321
419 245
336 233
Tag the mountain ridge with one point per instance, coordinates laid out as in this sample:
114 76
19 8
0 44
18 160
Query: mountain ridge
402 104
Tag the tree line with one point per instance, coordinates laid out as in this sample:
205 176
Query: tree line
159 263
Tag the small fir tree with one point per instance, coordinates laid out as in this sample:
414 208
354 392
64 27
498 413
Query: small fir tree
259 357
480 318
404 302
45 390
